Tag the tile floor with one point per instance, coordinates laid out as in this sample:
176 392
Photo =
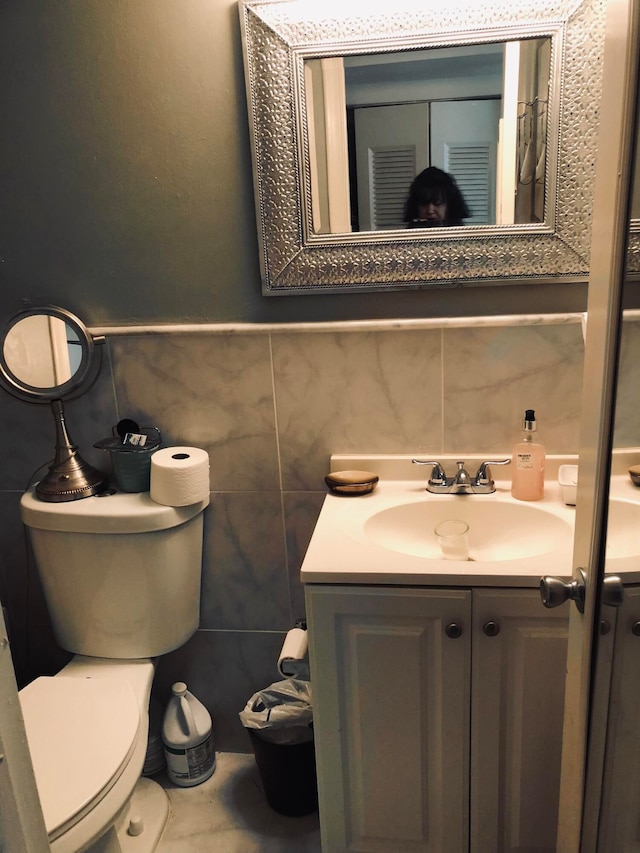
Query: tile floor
229 814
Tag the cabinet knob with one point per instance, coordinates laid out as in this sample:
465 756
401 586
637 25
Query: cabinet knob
453 630
635 629
491 629
612 591
605 627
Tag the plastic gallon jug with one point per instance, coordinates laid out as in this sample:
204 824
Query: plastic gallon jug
187 738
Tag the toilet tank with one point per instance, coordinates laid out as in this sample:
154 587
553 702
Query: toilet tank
120 573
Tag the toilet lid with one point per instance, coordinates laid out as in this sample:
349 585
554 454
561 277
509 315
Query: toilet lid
81 733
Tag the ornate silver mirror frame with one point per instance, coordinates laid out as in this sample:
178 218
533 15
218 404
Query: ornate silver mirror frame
278 35
633 250
633 247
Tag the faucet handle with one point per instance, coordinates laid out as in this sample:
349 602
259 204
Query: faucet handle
483 475
438 476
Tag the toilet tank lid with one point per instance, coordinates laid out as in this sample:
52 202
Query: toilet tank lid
120 512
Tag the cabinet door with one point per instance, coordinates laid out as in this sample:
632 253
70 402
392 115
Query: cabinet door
620 813
517 707
391 717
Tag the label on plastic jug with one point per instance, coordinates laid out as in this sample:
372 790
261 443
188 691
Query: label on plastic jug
192 763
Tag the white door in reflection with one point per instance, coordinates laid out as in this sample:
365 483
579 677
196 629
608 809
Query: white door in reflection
464 143
392 147
394 143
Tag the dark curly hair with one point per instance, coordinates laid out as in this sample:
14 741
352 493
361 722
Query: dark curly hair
433 186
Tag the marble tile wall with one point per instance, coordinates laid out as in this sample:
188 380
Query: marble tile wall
270 407
627 411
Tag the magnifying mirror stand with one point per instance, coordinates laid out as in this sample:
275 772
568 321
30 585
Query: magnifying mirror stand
69 476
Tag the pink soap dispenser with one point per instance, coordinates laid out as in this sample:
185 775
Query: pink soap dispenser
527 463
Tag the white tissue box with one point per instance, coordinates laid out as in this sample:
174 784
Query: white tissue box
568 482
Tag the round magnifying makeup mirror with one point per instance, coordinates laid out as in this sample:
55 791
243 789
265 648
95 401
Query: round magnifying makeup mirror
47 355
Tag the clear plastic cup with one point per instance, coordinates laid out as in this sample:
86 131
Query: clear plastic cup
453 538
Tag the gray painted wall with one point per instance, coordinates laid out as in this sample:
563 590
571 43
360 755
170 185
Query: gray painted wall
126 196
125 175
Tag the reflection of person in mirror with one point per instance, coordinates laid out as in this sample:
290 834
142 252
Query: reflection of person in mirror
434 201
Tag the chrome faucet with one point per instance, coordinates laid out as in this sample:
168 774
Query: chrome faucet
462 483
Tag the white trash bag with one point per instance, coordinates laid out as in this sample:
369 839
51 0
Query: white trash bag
281 713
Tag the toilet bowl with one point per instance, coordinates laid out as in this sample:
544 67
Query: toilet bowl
87 731
121 577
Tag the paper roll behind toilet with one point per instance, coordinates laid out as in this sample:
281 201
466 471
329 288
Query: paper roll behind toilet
179 476
292 661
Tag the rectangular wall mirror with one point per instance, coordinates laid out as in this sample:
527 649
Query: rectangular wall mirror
478 112
347 105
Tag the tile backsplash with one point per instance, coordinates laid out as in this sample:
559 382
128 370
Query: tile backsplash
270 406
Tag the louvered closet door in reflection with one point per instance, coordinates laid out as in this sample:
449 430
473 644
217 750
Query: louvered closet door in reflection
464 142
392 146
473 167
391 172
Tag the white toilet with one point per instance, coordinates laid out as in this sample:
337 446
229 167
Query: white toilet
121 576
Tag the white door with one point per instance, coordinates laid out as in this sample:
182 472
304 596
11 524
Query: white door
21 822
609 230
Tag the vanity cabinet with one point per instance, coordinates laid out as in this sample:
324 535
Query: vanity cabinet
619 827
437 717
518 670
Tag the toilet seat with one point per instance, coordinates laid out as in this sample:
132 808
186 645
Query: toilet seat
81 733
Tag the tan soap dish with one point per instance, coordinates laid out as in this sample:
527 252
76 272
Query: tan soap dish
351 482
634 473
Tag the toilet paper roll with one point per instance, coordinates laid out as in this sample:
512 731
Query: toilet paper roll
179 476
292 662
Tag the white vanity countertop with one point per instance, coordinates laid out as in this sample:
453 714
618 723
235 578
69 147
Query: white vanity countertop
342 552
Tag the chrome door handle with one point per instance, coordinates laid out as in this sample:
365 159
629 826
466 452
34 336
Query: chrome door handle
554 591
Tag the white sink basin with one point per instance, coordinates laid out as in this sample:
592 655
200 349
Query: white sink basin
387 537
498 530
623 526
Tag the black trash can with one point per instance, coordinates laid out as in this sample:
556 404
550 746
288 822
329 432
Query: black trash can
288 774
279 721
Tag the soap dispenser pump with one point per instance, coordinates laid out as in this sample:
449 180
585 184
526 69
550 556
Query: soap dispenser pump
527 469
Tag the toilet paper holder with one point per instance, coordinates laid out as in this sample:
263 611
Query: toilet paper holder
293 661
